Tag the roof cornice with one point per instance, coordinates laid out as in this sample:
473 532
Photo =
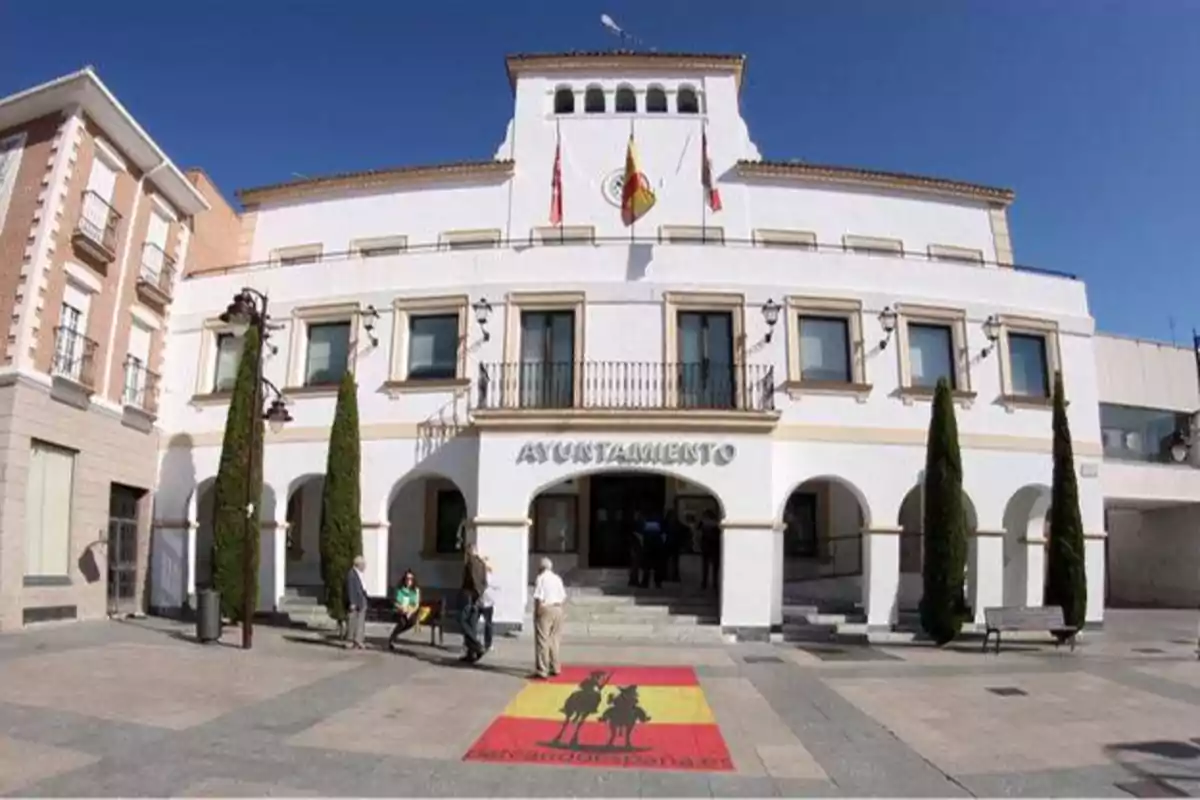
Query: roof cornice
854 176
626 60
85 90
373 179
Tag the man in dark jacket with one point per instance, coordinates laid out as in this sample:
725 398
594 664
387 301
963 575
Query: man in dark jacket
710 549
474 582
654 542
356 604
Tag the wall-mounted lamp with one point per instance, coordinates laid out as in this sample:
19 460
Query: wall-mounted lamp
1181 446
483 310
770 312
887 321
991 329
370 315
277 414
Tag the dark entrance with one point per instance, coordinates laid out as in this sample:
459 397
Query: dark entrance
122 549
615 501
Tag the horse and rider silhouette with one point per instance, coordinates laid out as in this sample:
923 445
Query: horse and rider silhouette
622 715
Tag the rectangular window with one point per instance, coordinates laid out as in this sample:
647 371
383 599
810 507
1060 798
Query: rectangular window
433 347
800 240
692 234
298 254
450 522
825 349
931 354
705 369
565 234
1027 357
1130 433
68 342
872 245
470 240
229 353
328 354
961 255
547 359
51 479
555 523
11 149
380 246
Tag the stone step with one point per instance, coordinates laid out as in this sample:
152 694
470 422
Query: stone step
574 630
623 618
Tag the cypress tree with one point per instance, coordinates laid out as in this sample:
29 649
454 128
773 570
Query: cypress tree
944 525
341 519
233 478
1066 574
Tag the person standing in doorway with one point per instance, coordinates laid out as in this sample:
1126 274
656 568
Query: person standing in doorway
676 534
549 595
637 549
710 549
356 604
474 584
653 547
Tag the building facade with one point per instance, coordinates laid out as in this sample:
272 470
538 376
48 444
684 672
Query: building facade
530 387
94 219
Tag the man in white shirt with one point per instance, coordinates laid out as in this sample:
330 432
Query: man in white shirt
549 595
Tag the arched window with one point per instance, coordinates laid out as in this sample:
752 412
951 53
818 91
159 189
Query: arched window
656 100
626 100
593 100
564 100
686 101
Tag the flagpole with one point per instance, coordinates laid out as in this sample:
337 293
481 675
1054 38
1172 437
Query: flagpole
703 189
558 149
633 217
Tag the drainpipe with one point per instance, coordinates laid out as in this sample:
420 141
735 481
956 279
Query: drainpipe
1194 449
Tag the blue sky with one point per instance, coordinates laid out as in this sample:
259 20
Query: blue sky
1087 108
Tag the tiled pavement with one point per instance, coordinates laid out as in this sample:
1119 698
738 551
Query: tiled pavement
136 708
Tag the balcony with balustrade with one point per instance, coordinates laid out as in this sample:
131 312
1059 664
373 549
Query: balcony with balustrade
660 395
73 366
156 277
96 229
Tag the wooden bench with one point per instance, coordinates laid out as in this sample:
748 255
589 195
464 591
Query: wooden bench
383 609
1012 619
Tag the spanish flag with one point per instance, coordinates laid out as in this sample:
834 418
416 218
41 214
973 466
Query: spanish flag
636 195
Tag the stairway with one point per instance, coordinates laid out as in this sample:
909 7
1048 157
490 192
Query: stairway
301 605
600 605
808 621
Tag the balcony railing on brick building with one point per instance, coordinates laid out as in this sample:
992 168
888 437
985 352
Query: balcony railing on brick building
96 228
74 357
626 386
156 279
141 386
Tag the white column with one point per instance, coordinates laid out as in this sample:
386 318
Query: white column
272 564
172 568
1035 571
505 543
1094 563
375 551
748 578
881 576
986 569
189 545
777 580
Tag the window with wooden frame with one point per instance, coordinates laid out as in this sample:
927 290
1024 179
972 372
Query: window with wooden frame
704 350
691 234
778 237
543 350
872 245
296 255
957 255
1029 351
428 344
220 354
324 345
825 346
932 344
379 246
481 239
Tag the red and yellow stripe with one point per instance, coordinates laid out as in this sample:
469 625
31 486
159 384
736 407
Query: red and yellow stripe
682 733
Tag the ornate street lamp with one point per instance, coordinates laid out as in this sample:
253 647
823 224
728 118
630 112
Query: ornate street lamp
249 310
770 312
991 329
887 321
483 310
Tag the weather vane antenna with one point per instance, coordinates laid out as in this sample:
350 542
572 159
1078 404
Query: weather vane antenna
622 34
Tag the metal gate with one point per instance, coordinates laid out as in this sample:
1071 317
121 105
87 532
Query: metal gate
122 550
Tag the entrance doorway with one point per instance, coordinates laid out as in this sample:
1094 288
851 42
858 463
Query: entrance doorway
122 549
616 499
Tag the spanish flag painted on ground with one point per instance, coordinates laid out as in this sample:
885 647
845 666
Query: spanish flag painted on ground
632 717
636 195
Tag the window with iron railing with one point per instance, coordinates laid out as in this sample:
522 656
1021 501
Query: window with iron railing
74 355
98 221
158 268
141 385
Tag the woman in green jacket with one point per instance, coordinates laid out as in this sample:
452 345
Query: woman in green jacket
408 606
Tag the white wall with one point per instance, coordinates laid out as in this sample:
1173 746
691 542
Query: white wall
1154 556
1136 372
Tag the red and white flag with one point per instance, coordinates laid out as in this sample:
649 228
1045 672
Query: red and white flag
556 205
712 195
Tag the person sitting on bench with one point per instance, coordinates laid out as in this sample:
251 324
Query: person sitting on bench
409 611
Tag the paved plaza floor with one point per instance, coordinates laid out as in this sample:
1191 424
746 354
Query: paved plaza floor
138 708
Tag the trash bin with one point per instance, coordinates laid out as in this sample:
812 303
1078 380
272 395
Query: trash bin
208 616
